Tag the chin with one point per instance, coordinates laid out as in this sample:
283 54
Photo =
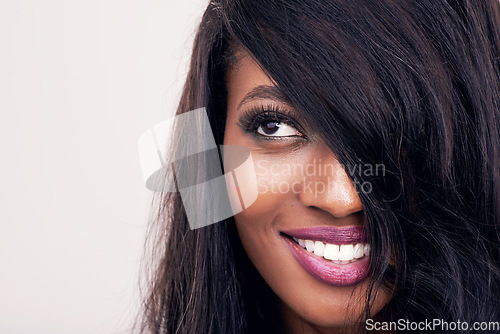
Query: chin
313 290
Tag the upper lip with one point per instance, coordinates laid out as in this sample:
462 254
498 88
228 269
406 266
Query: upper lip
333 235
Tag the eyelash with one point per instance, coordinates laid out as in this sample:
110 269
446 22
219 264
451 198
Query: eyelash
255 117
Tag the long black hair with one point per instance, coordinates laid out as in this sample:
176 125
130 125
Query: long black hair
412 85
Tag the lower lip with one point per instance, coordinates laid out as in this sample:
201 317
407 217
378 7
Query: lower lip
327 271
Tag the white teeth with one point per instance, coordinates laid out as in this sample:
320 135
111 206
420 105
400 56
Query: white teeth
346 252
367 249
319 248
358 251
340 254
310 245
331 252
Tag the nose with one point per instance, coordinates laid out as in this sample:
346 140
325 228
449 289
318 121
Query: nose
329 187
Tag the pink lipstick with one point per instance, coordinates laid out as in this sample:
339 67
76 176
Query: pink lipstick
333 235
337 256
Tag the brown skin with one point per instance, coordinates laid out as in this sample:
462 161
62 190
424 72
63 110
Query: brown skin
308 305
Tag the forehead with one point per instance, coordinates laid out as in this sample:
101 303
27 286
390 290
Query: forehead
243 75
234 55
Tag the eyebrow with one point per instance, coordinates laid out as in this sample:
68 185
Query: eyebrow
262 92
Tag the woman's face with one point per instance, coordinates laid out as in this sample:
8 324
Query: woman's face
304 233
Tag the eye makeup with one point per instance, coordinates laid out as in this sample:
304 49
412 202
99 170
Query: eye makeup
264 116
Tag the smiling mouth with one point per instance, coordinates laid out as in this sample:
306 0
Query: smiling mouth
337 256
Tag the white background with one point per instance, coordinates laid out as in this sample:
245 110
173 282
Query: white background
79 82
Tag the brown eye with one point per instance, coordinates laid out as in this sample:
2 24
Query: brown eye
277 129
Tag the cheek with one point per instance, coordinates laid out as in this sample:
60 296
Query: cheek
257 225
276 179
273 198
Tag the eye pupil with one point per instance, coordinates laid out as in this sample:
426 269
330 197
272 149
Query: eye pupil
270 128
